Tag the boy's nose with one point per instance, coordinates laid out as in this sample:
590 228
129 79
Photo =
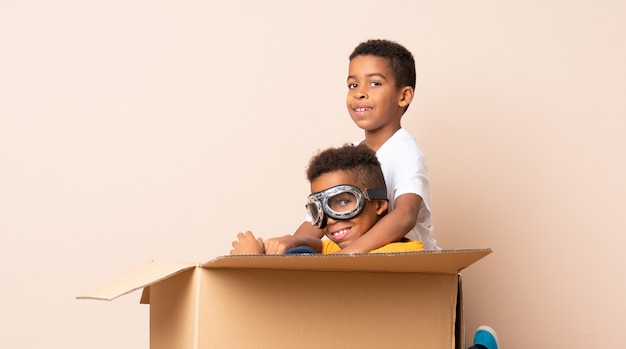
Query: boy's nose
359 95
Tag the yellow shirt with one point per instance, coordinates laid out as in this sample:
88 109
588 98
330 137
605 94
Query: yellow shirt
407 245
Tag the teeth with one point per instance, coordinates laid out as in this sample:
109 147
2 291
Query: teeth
362 109
340 232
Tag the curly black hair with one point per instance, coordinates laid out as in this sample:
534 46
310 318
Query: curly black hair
400 59
358 161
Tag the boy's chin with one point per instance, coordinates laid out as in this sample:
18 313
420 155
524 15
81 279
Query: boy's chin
341 244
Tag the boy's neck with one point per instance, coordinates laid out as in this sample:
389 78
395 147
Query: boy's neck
375 139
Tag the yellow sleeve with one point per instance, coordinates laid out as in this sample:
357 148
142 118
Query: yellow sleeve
328 247
408 246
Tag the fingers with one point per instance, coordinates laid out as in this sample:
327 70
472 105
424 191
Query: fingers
247 235
247 243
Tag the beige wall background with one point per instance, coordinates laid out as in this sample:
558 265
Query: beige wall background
140 130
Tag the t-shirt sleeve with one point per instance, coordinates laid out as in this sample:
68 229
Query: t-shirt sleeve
409 173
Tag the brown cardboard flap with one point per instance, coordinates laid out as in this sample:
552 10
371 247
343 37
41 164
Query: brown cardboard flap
431 262
140 277
435 262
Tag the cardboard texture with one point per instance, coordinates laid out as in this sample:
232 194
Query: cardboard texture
396 300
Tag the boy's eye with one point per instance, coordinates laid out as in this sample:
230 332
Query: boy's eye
375 83
343 202
352 85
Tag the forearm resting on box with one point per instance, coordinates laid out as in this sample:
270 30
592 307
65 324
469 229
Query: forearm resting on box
306 237
391 228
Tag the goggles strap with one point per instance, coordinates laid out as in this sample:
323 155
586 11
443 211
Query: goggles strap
324 221
375 194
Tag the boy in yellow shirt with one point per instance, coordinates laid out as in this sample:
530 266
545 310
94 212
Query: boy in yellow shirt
348 198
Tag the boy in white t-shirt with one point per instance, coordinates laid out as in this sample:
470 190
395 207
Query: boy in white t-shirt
381 84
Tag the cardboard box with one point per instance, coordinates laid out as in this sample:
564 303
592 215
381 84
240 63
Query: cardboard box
397 300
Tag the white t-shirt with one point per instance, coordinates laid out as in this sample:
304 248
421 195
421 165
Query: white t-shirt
404 168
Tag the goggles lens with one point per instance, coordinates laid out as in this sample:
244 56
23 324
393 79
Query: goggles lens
342 203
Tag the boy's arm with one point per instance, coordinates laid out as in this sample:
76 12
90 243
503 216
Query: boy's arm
392 227
281 244
247 243
306 235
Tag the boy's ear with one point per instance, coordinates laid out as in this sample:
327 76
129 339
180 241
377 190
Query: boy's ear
406 96
381 207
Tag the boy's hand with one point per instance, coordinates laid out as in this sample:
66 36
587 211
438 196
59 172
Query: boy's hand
281 244
247 244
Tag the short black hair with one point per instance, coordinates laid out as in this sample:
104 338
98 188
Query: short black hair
400 59
358 161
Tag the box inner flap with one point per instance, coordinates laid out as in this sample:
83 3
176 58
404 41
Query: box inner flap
438 262
140 277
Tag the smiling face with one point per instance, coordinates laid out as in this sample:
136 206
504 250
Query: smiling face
344 232
374 101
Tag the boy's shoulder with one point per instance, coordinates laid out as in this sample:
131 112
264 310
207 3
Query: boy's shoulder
402 133
401 139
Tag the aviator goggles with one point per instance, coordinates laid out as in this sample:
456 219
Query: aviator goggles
340 202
